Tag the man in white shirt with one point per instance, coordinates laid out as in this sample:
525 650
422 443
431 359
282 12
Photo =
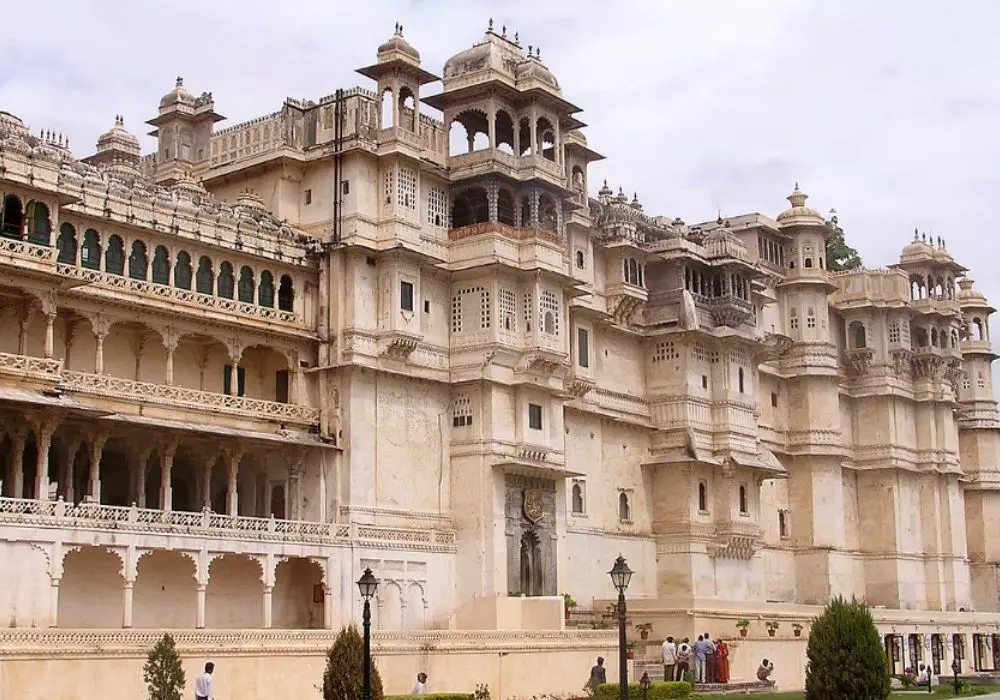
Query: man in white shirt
203 684
421 686
669 654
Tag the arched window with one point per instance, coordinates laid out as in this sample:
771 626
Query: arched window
624 510
954 339
739 376
12 217
808 262
580 260
577 499
505 207
66 244
858 336
204 279
934 337
182 271
744 506
39 224
977 329
246 286
470 207
286 294
138 262
226 282
90 255
265 291
161 265
921 336
114 257
702 496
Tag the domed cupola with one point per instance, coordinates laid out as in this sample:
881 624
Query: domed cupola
533 69
398 48
798 214
918 250
177 96
119 140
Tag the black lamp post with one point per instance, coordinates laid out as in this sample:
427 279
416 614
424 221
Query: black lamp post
644 684
620 576
367 584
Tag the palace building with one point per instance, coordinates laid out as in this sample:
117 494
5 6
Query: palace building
396 331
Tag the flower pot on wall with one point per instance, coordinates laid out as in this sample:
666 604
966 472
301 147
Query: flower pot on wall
770 632
797 633
644 635
743 631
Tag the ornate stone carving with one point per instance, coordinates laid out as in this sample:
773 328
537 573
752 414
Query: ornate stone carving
532 506
858 361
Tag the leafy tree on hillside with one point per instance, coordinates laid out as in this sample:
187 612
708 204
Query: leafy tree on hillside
839 255
344 675
846 659
163 673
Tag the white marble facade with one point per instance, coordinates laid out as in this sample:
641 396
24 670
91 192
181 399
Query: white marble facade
379 330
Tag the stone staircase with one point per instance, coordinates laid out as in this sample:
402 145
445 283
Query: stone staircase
655 671
588 620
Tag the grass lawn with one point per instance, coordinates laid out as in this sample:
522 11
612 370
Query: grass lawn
910 695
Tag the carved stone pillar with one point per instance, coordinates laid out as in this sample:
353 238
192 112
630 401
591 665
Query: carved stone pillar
17 438
50 320
44 429
492 125
54 603
267 606
69 470
560 220
206 481
327 607
235 355
199 619
232 494
296 469
127 598
533 201
27 311
170 337
141 465
166 467
96 450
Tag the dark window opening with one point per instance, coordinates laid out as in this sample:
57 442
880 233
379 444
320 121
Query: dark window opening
703 497
583 347
704 381
182 271
534 416
774 400
281 386
309 196
782 524
406 296
427 306
744 508
286 294
345 187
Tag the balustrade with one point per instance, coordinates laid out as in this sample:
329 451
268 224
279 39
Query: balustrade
94 516
105 385
175 294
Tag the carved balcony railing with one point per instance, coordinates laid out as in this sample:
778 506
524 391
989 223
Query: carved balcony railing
30 367
95 516
15 252
170 395
727 309
177 295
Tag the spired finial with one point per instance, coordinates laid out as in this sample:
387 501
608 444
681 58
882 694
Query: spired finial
517 37
530 49
489 27
924 236
503 30
538 53
916 234
796 187
180 82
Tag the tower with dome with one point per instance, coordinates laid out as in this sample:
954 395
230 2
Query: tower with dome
398 327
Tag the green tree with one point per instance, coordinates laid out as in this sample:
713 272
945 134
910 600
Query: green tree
163 673
845 656
343 677
839 255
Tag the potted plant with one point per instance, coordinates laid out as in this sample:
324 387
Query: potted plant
772 627
796 629
742 624
568 603
630 650
644 629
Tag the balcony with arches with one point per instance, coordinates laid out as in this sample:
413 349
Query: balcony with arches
116 266
486 141
26 236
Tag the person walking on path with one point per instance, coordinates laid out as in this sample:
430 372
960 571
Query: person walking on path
203 684
598 676
420 688
668 652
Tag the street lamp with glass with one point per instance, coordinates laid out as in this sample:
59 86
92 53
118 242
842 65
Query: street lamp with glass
620 576
367 584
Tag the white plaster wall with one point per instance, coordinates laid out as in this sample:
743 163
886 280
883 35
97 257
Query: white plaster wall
586 557
24 597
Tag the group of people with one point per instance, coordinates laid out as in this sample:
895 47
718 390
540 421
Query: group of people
705 661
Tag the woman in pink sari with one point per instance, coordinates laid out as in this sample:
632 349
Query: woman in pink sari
722 662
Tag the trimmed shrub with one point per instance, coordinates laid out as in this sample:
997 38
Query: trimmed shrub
344 674
846 658
657 691
163 673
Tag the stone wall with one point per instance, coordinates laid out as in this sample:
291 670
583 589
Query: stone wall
251 665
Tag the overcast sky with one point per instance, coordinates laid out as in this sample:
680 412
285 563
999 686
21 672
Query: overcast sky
888 110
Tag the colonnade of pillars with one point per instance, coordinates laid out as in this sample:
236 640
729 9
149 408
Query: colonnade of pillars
201 590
